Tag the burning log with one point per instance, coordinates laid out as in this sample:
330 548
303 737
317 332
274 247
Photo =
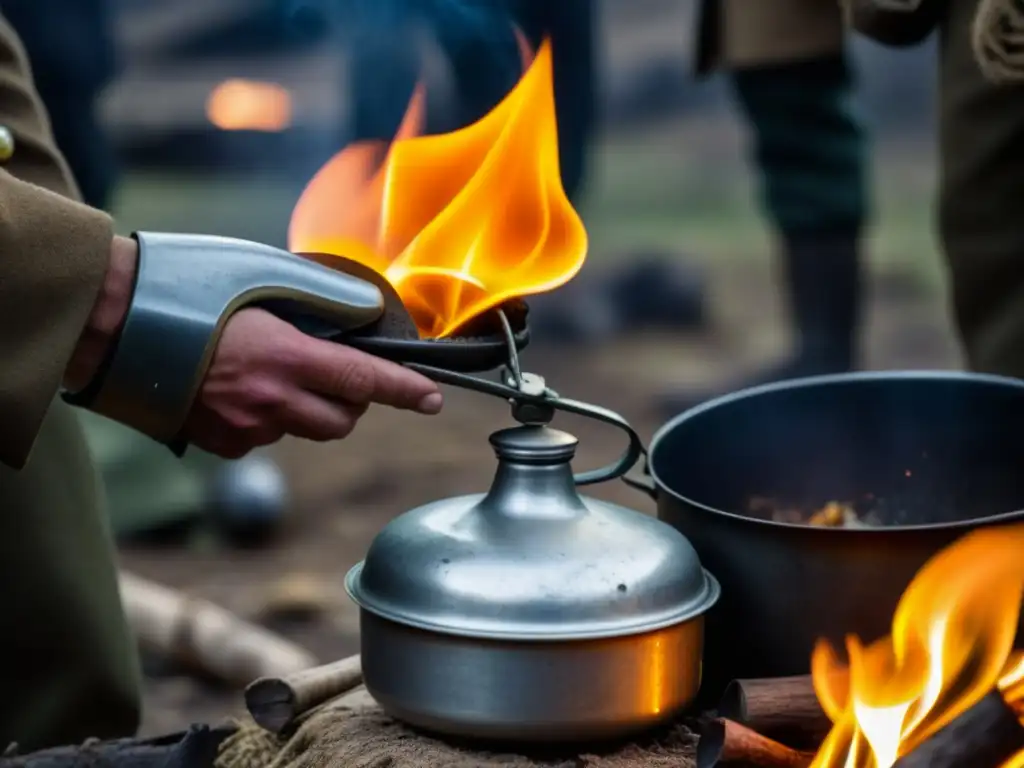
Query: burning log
727 744
985 736
275 703
949 663
783 708
204 637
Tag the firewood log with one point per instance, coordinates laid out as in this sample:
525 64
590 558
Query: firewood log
205 638
782 708
275 703
726 744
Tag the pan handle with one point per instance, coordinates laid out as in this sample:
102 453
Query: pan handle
643 482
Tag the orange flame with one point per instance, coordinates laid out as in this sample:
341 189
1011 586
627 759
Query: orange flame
951 644
247 105
458 222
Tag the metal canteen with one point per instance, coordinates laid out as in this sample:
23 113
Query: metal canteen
530 613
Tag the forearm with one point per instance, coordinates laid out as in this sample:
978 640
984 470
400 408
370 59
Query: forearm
107 316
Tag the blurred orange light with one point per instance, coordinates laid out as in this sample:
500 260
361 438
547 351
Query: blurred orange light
249 105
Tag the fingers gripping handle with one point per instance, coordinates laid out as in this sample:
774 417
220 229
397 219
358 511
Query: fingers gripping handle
186 288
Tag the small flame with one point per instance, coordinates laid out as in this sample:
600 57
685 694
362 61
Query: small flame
459 222
247 105
951 644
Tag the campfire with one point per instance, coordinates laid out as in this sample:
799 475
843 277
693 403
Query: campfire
944 689
951 648
458 223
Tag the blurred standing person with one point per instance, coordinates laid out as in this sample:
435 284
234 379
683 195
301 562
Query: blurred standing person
72 47
981 175
981 163
792 79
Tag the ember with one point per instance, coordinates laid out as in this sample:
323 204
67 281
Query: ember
458 223
950 656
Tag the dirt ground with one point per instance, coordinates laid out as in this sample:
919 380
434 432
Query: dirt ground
345 492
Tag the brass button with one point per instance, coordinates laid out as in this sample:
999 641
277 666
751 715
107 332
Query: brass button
6 144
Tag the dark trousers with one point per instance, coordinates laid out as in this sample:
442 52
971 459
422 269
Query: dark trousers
480 46
809 144
811 150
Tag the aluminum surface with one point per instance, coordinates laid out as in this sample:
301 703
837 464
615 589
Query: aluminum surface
531 559
588 690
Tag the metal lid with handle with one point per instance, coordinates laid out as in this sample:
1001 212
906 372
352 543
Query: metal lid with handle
531 559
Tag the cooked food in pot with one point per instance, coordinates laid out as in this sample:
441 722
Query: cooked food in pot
832 514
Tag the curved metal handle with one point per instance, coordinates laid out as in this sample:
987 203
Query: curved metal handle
462 380
630 456
547 400
644 482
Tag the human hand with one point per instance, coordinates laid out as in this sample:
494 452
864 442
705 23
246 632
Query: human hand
268 379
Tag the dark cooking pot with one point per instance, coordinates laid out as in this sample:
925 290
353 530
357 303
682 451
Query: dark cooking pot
931 455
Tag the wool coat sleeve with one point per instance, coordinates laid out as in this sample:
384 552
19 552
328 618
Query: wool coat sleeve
54 254
743 34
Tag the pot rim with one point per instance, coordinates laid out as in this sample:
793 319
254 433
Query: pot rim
687 613
835 379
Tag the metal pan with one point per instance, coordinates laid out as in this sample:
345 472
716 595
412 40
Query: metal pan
480 345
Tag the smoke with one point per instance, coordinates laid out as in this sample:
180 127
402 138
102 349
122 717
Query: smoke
387 43
473 22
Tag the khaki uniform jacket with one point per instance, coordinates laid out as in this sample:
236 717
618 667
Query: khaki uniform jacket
55 254
734 34
981 198
67 659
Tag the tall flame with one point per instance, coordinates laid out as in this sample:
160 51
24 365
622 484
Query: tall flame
458 222
951 644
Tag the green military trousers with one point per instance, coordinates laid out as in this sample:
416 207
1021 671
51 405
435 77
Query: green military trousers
146 486
981 205
68 661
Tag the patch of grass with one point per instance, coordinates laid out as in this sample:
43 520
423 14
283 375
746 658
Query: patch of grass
256 208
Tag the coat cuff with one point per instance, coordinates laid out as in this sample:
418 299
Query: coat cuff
54 256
